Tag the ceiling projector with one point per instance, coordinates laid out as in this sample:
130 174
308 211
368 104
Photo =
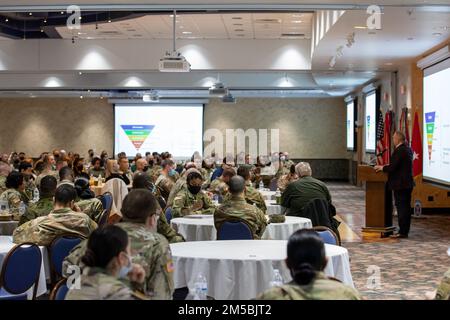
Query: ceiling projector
174 62
218 89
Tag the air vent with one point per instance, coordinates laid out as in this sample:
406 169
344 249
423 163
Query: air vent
236 18
292 34
131 30
266 21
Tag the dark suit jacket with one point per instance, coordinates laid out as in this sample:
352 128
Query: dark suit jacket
400 169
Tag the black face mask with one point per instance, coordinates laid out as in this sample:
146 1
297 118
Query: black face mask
91 155
21 158
145 168
194 189
150 162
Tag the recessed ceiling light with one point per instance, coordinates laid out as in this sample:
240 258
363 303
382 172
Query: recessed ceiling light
30 13
81 97
109 20
80 73
187 32
62 12
296 21
6 20
79 18
45 20
359 27
42 30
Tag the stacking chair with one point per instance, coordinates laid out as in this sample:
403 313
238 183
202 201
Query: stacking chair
20 271
328 236
168 214
58 250
60 290
234 230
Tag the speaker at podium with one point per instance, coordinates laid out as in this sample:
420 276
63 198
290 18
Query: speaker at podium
378 201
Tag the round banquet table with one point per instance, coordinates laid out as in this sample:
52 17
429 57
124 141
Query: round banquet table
242 269
7 227
202 228
6 245
273 207
267 194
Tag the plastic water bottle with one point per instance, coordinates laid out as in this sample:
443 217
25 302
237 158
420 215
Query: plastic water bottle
278 196
261 185
277 279
216 199
36 195
417 208
200 287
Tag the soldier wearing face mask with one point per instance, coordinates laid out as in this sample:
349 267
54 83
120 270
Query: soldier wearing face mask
27 170
166 179
149 249
192 200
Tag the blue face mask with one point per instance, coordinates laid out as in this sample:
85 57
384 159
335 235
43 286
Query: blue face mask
123 273
172 172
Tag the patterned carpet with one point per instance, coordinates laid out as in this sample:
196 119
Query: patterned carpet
408 268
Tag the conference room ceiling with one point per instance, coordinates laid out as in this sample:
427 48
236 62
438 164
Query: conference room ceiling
238 25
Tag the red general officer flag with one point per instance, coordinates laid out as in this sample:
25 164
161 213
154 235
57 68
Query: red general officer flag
416 146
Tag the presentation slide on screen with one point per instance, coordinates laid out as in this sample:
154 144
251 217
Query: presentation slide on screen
436 124
174 128
370 123
350 126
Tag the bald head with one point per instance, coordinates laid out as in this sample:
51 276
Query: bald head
141 164
237 185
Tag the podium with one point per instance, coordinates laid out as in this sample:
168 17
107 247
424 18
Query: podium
378 201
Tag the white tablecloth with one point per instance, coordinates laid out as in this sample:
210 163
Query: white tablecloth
267 194
202 229
282 231
7 227
273 207
242 269
6 244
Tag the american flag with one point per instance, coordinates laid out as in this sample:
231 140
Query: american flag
381 149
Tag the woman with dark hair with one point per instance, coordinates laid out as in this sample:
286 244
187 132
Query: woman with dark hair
13 194
97 168
306 260
107 260
77 167
86 200
287 178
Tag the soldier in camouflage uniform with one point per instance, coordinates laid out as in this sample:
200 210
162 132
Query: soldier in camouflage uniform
219 186
306 260
143 181
166 179
86 200
45 204
148 248
27 170
61 220
179 185
192 200
251 195
443 291
5 170
13 194
108 268
236 208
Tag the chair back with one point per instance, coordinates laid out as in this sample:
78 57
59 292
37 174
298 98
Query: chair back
21 268
107 201
58 250
273 185
168 214
103 220
328 236
60 290
234 230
